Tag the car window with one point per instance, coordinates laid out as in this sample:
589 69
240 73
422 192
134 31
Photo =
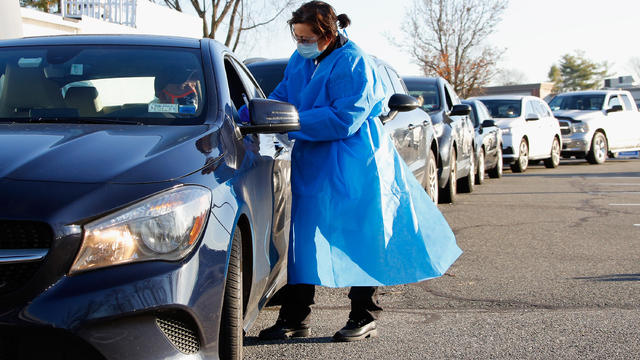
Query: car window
396 81
613 101
577 102
483 112
386 82
267 75
239 95
530 108
147 84
429 93
473 115
627 102
543 109
448 98
252 89
503 108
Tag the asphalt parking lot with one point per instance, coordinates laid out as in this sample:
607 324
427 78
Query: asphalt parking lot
550 270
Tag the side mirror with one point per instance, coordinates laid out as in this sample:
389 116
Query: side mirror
615 108
271 117
460 110
400 103
532 117
488 123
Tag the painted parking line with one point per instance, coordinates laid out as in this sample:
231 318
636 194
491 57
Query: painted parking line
619 184
624 204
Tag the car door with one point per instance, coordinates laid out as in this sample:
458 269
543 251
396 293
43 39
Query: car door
459 127
548 126
632 123
533 129
265 161
615 123
398 128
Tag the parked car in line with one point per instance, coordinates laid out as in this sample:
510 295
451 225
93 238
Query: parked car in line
488 142
530 132
412 131
596 123
454 131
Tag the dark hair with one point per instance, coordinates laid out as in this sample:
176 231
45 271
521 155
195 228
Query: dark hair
321 17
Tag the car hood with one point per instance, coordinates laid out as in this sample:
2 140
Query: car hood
578 115
84 153
507 123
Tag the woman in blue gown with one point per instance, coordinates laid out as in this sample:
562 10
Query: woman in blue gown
359 217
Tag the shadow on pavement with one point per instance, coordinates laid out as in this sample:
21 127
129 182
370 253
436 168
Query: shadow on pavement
254 341
612 277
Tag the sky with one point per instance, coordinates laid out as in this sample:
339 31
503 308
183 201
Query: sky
535 34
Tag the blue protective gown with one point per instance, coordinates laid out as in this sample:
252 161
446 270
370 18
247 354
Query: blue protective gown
359 217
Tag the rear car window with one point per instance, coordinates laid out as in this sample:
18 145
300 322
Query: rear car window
141 84
503 108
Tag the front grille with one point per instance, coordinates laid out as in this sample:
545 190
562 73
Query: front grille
21 235
25 235
565 127
181 331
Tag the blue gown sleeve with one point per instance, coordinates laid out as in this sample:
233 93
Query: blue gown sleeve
351 97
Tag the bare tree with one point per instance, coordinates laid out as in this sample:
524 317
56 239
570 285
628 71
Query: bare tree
509 77
634 66
447 40
232 16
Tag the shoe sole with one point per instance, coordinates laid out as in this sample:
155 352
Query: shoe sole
371 334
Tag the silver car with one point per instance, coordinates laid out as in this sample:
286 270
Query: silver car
596 123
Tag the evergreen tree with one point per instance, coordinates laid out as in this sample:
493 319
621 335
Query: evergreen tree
576 72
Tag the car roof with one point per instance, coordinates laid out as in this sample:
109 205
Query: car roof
263 61
422 79
592 92
502 97
119 39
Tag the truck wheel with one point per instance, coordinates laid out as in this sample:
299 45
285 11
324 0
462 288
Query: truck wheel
448 193
468 183
598 152
432 178
231 335
496 171
554 160
520 165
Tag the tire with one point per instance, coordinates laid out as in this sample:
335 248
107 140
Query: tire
480 168
554 160
468 183
448 193
520 165
599 148
231 332
431 185
496 171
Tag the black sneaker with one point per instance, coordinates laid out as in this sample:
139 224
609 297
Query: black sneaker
281 331
356 330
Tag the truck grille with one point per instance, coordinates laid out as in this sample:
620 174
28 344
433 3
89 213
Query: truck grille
565 127
16 236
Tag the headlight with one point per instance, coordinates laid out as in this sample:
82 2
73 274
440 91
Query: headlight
163 227
579 127
506 131
438 129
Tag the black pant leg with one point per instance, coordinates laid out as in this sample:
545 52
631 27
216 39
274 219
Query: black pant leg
296 304
364 303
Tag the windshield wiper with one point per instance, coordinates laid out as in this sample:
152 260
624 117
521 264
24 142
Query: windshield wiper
78 120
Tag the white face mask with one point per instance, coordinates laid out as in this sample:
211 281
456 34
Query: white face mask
309 51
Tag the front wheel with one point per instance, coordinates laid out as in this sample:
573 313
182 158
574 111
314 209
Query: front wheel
432 178
554 160
480 168
231 336
467 184
598 152
448 193
496 171
523 158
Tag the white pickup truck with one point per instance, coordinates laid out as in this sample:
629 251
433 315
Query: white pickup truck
597 123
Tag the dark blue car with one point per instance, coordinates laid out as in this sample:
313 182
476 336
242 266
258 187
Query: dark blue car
139 219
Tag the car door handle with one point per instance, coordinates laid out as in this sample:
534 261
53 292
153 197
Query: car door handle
411 127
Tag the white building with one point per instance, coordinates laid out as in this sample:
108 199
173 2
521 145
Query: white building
98 17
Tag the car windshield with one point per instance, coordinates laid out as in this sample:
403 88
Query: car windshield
104 84
577 102
268 76
429 93
503 108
